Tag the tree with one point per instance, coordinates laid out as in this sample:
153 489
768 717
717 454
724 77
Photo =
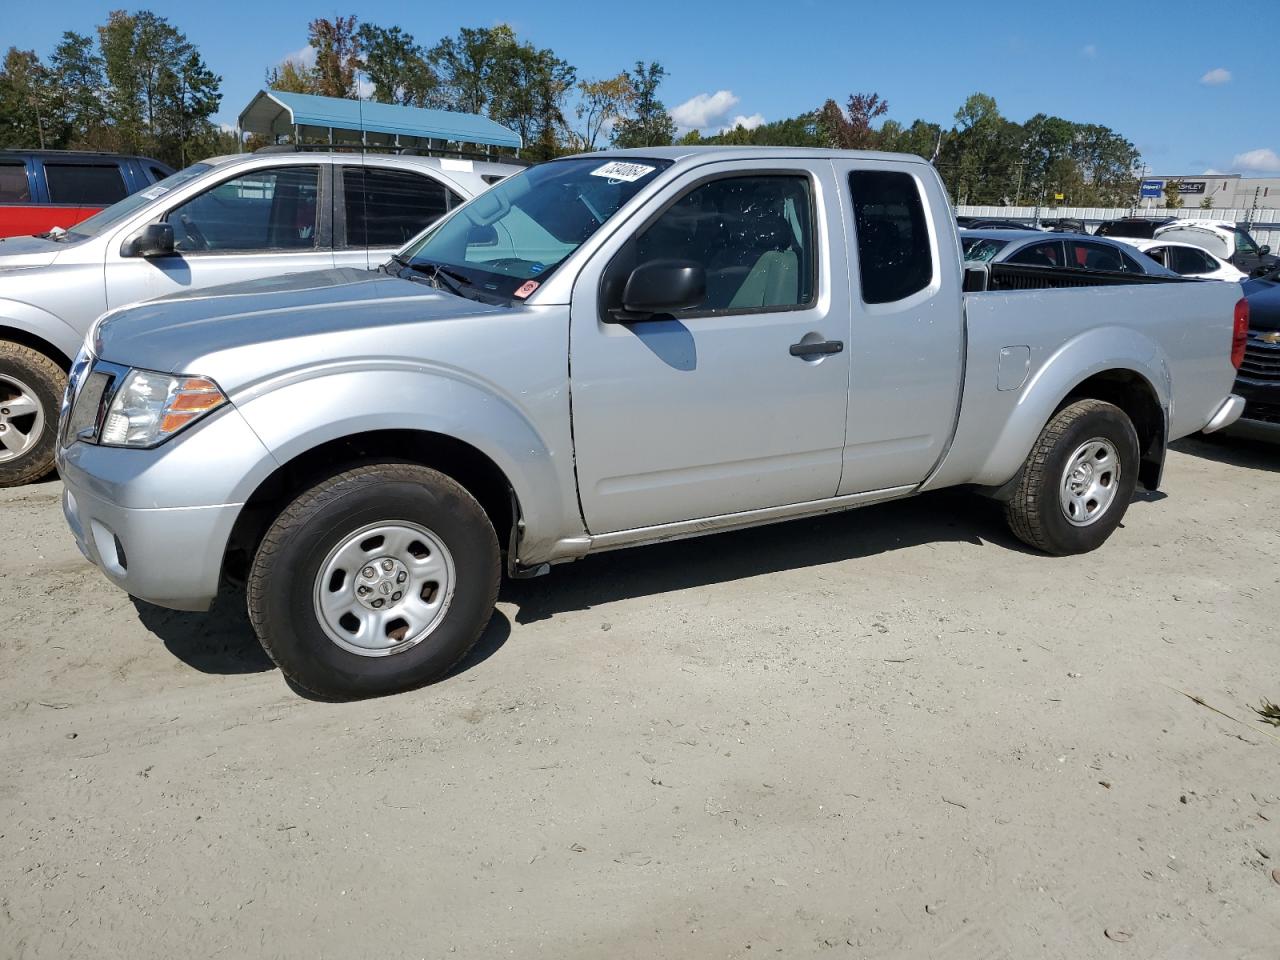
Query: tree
291 77
397 67
649 124
78 76
1206 203
800 131
854 131
1173 194
474 66
980 156
26 100
337 56
601 104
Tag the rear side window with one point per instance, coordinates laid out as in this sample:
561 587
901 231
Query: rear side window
1187 261
894 257
388 208
94 184
1045 254
1095 256
13 183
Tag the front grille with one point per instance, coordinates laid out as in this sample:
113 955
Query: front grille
1261 361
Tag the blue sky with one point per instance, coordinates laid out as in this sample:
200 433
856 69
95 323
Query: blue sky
1150 71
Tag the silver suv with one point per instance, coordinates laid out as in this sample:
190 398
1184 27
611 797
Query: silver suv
224 220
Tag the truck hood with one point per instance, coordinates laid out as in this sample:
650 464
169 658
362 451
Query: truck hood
1264 303
27 252
241 333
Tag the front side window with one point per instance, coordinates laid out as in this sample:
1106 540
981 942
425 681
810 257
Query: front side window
894 256
388 208
1189 262
753 237
1043 254
91 184
13 182
263 210
1244 243
1095 256
507 241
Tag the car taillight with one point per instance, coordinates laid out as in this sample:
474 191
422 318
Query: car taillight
1239 333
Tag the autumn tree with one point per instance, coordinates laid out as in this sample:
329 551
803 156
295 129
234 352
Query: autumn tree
337 56
853 130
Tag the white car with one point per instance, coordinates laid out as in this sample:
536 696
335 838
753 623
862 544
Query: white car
1186 259
1226 241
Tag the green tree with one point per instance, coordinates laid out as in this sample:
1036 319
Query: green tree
78 75
291 77
1173 194
649 124
800 131
601 104
27 100
1206 203
397 67
980 156
474 66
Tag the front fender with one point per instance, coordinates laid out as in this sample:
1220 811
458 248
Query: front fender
41 323
534 455
998 428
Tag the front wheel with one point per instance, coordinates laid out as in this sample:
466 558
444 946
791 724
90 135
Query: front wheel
374 581
31 387
1077 481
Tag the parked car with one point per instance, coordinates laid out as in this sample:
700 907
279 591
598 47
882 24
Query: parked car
1136 228
41 190
1259 378
989 224
1034 248
603 351
226 219
1187 260
1065 225
1226 241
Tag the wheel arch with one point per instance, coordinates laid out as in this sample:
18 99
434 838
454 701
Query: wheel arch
473 469
33 341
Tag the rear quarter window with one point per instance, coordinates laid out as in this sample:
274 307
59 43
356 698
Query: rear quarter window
14 187
894 256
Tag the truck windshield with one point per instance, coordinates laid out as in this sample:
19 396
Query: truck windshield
509 239
105 219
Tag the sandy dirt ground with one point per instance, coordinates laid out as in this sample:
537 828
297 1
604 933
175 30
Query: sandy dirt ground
889 733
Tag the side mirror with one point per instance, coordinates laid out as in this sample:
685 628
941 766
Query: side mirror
1264 249
662 286
153 240
482 235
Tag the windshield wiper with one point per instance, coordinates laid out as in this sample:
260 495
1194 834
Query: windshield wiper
452 279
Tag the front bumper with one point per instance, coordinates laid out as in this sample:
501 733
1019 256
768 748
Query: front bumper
157 522
169 556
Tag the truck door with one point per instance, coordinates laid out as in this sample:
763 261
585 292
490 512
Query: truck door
737 404
266 222
906 349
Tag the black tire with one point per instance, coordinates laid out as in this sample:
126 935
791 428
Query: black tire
45 381
288 561
1035 513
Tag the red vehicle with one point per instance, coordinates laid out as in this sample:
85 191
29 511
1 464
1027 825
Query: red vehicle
43 189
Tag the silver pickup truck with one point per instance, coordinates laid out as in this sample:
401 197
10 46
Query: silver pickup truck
604 351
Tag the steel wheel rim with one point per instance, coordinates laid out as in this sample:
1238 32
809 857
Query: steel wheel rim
384 588
1090 481
21 418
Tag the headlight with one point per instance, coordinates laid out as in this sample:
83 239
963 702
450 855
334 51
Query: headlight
148 408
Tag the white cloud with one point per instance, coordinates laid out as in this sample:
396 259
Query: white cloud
1216 77
749 123
704 110
1089 51
364 88
1212 172
306 57
1262 160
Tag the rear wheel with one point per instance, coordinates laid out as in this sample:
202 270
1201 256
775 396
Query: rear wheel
1078 480
374 581
31 387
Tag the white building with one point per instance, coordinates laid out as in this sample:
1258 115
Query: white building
1226 191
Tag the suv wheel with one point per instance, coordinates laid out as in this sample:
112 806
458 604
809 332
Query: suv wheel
1078 480
31 387
374 581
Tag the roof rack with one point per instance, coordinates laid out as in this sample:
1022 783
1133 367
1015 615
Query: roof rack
393 150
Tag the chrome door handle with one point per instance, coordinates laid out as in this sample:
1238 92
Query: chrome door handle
817 348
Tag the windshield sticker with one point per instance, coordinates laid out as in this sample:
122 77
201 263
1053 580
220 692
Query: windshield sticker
155 192
526 288
623 172
537 268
